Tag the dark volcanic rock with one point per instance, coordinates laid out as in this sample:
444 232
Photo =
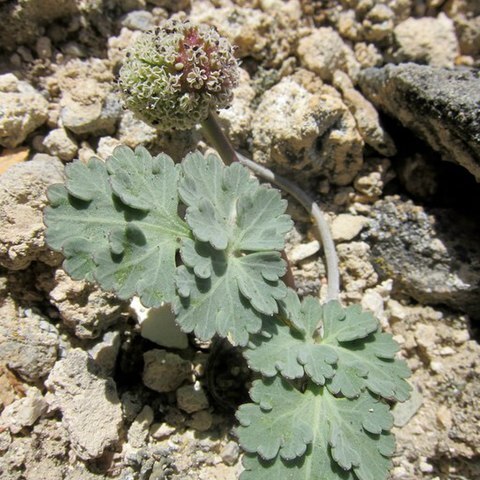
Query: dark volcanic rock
433 256
442 106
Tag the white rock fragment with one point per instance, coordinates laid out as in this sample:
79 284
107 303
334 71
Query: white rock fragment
192 398
346 227
303 251
160 431
138 431
323 52
230 453
426 336
22 110
158 325
90 407
59 143
427 40
164 371
105 351
24 412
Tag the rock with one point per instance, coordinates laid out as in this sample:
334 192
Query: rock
43 47
133 132
28 341
200 421
22 110
138 431
433 256
323 52
24 412
303 250
309 133
160 431
85 308
60 144
439 105
230 453
346 227
106 351
22 199
138 20
426 40
163 371
192 398
11 157
88 105
158 325
97 118
365 115
90 407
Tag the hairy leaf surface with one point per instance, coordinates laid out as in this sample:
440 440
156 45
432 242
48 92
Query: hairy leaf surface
117 223
226 207
313 435
223 294
350 357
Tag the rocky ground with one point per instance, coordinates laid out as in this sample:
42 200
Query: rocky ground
371 106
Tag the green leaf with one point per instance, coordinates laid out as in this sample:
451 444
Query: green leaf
224 294
117 223
312 434
350 357
226 207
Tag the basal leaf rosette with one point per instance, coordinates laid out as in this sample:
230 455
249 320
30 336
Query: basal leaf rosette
173 75
350 356
116 223
313 435
230 280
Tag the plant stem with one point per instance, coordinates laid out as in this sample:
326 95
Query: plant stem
216 136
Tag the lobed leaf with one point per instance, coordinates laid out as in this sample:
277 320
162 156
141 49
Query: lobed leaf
350 357
224 294
313 435
226 207
117 223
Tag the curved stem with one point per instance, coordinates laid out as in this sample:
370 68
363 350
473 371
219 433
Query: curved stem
216 136
318 218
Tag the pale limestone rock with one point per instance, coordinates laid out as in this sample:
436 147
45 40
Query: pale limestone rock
85 308
367 55
105 352
158 325
346 227
303 250
160 431
426 336
90 407
138 431
192 398
24 412
22 110
230 453
133 132
22 200
60 144
163 371
323 52
365 115
427 40
311 133
237 119
28 341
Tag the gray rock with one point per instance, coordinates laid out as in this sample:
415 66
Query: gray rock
99 118
28 342
138 431
192 398
440 105
22 110
163 371
60 144
432 256
22 199
138 20
105 352
90 407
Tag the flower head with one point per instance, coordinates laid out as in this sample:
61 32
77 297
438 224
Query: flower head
173 75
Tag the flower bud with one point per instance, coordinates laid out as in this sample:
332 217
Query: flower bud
173 75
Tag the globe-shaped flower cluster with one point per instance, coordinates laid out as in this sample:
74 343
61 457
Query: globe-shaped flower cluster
173 75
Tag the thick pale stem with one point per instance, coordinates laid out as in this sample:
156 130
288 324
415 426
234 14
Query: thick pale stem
216 137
